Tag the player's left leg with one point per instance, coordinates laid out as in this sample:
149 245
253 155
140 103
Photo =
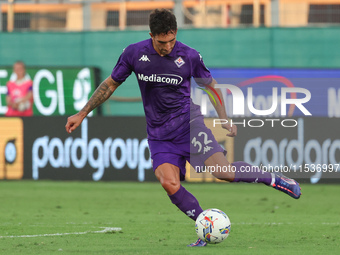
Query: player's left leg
244 172
237 171
204 149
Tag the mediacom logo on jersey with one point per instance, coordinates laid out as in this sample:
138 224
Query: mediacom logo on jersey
161 78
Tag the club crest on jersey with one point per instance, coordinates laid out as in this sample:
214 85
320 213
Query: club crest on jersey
179 62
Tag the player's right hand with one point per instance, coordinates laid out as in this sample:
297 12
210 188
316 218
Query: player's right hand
73 122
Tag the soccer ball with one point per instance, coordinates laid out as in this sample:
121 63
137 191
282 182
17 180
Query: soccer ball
212 226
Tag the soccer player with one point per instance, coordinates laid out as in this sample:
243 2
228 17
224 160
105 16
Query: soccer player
175 127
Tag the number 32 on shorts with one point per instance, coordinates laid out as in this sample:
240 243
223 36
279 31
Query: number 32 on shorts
197 142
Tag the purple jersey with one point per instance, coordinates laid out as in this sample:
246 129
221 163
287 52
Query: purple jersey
165 85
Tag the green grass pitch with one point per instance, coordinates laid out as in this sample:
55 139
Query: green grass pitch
46 217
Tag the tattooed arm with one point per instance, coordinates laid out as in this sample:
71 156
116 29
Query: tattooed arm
102 93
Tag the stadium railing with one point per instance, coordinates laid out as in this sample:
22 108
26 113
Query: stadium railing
78 15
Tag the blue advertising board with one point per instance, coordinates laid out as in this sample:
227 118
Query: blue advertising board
322 85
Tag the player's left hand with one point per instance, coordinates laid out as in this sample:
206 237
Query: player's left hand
231 128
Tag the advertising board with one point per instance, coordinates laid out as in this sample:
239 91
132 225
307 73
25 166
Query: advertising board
56 90
262 89
110 148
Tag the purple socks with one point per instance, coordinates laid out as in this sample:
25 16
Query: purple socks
186 202
248 173
244 172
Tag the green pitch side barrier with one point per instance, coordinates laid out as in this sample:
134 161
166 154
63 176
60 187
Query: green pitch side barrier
248 47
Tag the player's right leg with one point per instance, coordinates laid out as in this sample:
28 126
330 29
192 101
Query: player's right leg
169 177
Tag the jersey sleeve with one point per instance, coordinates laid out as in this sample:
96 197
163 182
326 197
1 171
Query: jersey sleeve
8 85
30 86
123 68
200 72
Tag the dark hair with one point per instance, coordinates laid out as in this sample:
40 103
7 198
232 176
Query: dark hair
162 21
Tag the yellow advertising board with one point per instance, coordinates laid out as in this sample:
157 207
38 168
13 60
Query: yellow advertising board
11 148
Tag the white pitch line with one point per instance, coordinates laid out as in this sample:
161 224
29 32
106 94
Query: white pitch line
105 230
283 223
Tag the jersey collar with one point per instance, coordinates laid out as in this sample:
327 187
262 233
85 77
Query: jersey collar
172 53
